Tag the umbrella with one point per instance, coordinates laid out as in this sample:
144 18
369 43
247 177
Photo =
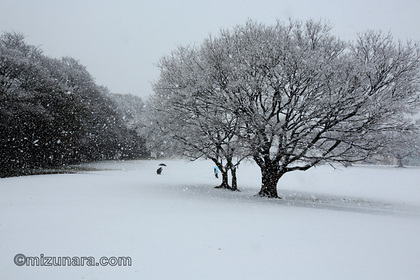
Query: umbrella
162 164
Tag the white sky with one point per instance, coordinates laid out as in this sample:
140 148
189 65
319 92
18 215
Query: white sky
120 41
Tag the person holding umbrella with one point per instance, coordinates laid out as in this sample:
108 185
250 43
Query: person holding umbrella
160 169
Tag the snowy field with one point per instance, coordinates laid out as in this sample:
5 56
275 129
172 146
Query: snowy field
347 223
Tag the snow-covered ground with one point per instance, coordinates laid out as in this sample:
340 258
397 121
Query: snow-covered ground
347 223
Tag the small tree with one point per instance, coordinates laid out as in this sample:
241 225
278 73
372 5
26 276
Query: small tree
185 113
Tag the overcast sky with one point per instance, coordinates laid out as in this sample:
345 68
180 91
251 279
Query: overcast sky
120 41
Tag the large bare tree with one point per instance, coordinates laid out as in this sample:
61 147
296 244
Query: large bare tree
299 95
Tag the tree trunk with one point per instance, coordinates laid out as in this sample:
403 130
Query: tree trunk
270 178
224 171
225 180
234 180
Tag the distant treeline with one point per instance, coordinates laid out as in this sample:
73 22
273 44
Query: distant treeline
52 113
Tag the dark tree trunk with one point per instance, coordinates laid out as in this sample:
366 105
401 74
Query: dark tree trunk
225 183
270 178
234 180
224 171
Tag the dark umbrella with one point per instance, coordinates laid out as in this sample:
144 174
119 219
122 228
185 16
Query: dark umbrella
162 164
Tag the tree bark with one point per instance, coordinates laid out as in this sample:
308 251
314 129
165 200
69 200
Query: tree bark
225 179
234 180
224 171
270 178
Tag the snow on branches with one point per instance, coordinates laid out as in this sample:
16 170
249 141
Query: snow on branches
289 96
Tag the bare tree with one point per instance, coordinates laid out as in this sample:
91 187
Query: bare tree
306 97
299 96
187 118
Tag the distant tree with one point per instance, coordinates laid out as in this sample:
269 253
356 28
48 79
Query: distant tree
301 96
52 113
186 116
130 110
31 108
401 144
130 107
103 131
